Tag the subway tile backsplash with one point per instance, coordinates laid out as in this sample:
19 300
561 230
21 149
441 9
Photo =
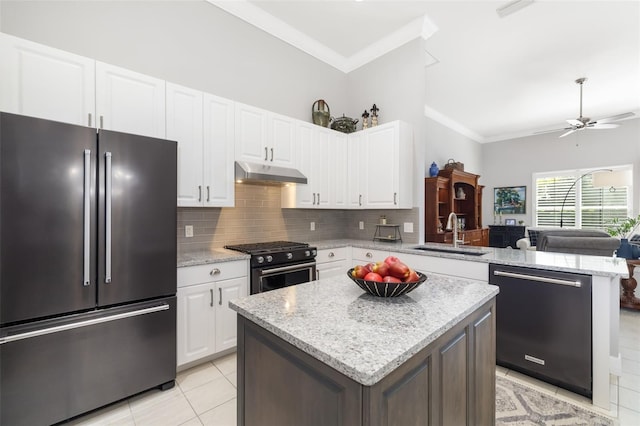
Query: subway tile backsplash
257 217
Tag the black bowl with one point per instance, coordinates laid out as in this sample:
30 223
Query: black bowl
387 289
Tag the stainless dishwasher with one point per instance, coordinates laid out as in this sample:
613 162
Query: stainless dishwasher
543 325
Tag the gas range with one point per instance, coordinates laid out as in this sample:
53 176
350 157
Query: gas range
276 252
277 264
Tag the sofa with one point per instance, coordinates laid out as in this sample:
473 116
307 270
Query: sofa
577 241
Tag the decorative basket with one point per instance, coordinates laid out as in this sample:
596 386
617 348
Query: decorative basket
454 165
387 289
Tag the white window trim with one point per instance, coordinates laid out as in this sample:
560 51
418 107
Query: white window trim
577 173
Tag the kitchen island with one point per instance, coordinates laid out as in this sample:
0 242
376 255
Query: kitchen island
325 352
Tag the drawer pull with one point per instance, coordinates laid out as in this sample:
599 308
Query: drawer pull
214 271
332 254
369 255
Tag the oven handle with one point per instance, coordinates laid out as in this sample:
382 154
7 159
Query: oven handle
287 268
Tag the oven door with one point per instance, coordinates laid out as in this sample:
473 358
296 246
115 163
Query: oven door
266 279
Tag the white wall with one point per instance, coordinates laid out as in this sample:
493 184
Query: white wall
512 162
192 43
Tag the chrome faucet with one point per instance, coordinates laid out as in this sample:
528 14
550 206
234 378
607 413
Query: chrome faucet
452 224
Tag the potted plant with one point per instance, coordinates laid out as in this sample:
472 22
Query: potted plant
623 228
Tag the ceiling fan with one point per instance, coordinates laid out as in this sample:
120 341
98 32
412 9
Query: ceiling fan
586 122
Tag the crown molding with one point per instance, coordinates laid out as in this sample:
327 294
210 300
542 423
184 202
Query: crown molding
452 124
420 27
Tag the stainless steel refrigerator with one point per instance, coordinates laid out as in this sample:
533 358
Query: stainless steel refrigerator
87 268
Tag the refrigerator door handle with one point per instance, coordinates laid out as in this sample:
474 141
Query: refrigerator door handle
107 230
79 324
86 273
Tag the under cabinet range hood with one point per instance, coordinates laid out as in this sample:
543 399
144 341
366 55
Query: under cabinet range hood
266 174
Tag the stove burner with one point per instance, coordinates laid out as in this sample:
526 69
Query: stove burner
266 247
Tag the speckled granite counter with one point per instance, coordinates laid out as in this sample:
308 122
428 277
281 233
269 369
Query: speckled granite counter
211 256
592 265
362 336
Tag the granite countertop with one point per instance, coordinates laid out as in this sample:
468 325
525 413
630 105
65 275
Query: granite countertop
209 256
363 336
563 262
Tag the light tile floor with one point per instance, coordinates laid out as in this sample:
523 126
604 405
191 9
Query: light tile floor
206 394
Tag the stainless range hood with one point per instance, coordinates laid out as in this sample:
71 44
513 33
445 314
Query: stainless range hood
266 174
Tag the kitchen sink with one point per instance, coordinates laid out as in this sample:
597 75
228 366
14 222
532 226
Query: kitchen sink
454 250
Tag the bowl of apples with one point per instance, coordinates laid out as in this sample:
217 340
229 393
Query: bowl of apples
388 278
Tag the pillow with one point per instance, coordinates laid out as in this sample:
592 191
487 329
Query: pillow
533 236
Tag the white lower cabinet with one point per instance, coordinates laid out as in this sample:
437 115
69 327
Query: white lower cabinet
205 324
361 256
331 262
441 265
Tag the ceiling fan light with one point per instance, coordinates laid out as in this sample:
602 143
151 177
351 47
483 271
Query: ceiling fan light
512 7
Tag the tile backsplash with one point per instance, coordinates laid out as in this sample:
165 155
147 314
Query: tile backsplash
257 217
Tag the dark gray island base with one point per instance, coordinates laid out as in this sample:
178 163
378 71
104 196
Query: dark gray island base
450 380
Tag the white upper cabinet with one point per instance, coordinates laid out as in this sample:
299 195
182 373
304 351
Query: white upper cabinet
337 162
44 82
264 137
203 126
130 102
302 195
184 124
388 165
219 137
355 170
322 168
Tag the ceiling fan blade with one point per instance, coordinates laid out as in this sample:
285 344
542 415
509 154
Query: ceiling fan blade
575 123
568 133
550 131
599 126
614 118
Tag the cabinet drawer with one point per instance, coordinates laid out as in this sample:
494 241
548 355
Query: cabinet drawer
368 255
331 255
190 275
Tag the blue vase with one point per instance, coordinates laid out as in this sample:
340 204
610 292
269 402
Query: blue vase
433 170
628 251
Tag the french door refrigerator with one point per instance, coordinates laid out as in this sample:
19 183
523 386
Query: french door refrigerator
87 268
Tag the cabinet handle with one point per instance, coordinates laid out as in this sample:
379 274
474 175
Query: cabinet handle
266 153
199 193
89 120
395 198
214 271
314 198
360 199
101 122
571 283
369 255
318 198
211 294
220 291
331 254
208 194
271 154
317 274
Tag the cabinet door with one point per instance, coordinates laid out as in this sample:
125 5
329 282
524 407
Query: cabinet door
130 102
251 134
219 171
184 124
43 82
381 163
331 269
322 168
355 170
282 140
337 162
305 138
195 322
226 324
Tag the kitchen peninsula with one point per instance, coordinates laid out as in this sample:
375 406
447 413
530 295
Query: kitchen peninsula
326 353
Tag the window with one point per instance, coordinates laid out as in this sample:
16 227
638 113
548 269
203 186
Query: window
585 206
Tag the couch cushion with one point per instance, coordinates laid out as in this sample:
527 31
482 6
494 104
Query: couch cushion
533 236
595 246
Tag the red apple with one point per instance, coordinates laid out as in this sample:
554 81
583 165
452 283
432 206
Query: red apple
391 279
391 260
359 272
372 276
399 270
381 268
412 277
369 267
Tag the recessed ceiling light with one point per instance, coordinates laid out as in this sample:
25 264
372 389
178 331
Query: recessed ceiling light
512 7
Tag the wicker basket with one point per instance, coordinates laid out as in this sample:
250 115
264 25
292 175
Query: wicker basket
454 165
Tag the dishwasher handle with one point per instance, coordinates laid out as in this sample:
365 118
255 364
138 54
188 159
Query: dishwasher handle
537 278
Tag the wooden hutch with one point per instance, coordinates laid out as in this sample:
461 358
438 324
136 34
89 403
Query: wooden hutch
442 197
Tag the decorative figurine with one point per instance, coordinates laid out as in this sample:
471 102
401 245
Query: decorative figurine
365 119
374 115
433 170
